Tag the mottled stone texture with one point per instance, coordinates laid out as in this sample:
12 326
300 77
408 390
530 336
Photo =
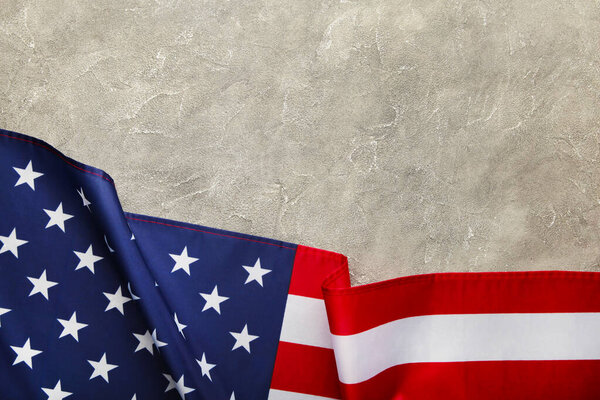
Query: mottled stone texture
413 136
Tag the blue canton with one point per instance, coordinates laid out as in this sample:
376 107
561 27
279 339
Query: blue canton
96 303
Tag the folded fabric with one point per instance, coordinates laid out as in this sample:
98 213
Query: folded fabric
97 303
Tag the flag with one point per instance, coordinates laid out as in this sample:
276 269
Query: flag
497 335
98 303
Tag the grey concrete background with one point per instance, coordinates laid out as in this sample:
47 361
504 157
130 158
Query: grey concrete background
412 136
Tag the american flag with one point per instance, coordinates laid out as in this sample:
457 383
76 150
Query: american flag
97 303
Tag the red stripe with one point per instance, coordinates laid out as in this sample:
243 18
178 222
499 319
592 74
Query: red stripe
300 368
311 267
306 369
486 380
353 310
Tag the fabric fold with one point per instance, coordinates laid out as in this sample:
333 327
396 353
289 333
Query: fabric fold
168 309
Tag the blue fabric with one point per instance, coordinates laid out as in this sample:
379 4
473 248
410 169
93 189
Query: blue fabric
141 267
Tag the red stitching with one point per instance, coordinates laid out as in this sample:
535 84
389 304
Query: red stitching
211 233
61 156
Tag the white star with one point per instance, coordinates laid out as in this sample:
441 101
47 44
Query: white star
171 382
4 311
57 393
232 396
183 261
255 273
101 368
213 300
180 326
57 217
157 342
71 326
86 202
11 243
41 285
243 339
27 175
206 367
25 354
145 342
116 300
179 386
87 259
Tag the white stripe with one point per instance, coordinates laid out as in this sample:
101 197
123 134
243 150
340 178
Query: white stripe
305 322
467 337
284 395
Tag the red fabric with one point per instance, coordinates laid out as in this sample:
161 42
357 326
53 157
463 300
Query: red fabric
301 368
350 310
311 268
489 380
306 369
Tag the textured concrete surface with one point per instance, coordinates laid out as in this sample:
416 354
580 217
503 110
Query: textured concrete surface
413 136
